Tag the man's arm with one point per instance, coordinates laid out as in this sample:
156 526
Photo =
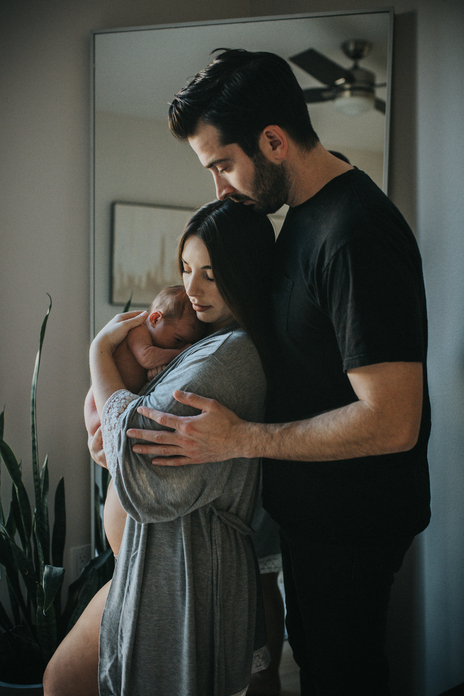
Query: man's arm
385 419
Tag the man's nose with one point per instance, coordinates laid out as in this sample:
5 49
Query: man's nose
223 188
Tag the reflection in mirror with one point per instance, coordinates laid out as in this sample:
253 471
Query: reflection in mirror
146 183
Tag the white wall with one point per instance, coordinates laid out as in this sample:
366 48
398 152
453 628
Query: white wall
44 247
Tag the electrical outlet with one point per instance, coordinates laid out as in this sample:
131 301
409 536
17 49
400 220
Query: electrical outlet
80 556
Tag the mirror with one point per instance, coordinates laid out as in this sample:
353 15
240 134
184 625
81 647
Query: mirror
136 160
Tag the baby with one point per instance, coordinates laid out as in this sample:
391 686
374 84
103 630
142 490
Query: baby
171 326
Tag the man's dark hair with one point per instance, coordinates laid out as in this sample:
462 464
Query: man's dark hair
240 244
240 93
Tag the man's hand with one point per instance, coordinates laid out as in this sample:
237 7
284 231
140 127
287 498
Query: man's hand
214 435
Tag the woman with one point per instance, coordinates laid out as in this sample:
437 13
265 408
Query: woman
182 614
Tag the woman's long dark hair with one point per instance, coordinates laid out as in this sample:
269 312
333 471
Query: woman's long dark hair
240 243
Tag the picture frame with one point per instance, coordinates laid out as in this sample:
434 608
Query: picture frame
144 250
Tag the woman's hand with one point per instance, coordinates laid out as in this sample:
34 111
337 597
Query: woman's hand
117 329
95 445
105 375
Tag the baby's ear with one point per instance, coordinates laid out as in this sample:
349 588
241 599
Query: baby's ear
155 317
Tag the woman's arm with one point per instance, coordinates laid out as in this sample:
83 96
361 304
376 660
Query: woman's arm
105 375
217 369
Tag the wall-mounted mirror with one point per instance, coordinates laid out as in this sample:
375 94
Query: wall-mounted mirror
145 183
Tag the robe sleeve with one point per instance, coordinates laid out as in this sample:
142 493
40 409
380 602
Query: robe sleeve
232 374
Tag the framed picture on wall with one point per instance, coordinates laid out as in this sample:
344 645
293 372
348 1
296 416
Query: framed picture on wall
144 246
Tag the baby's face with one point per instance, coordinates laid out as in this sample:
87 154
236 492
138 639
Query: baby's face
173 334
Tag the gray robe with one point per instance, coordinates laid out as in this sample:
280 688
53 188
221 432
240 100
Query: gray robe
184 615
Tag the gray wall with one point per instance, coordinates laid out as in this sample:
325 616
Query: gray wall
44 247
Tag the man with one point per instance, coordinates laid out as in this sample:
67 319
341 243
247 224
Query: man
345 442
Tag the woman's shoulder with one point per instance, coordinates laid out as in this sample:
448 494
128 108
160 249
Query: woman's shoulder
231 343
224 366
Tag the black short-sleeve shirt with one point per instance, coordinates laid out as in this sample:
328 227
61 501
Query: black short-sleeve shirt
348 292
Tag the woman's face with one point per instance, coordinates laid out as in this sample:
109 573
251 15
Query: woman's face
200 285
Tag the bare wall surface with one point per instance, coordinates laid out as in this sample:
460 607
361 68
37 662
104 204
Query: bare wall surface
44 247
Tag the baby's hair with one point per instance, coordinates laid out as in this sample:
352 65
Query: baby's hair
172 302
175 305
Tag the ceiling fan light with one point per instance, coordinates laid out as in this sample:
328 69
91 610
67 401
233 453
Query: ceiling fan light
354 104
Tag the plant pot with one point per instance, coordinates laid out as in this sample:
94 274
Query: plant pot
20 689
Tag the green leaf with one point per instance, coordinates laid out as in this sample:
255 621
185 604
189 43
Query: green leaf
41 525
128 304
41 516
14 470
25 567
59 526
46 625
87 592
11 559
52 581
81 591
5 621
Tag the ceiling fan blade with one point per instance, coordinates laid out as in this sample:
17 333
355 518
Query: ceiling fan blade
322 68
318 94
380 105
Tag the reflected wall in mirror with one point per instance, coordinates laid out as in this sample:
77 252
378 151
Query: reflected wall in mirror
137 72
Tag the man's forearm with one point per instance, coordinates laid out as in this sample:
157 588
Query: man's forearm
345 433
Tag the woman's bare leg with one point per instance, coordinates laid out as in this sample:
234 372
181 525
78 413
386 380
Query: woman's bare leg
73 669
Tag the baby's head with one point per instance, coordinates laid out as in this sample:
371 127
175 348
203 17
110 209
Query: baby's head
172 323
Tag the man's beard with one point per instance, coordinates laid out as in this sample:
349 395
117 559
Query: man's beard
270 186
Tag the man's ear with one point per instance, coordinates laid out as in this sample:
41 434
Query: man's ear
273 143
155 317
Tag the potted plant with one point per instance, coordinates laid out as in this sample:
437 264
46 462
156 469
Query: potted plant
32 558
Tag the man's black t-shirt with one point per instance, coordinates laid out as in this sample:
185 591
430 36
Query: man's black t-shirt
348 292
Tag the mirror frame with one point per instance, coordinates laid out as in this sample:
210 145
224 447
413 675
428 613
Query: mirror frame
160 27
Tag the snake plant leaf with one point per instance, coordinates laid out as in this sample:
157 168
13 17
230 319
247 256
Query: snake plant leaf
33 624
14 470
99 532
83 589
25 567
41 524
52 582
46 625
41 517
59 526
128 304
2 425
10 523
7 559
5 621
13 570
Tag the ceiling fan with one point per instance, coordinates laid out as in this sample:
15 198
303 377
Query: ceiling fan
352 89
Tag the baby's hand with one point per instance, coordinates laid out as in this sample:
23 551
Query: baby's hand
155 371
